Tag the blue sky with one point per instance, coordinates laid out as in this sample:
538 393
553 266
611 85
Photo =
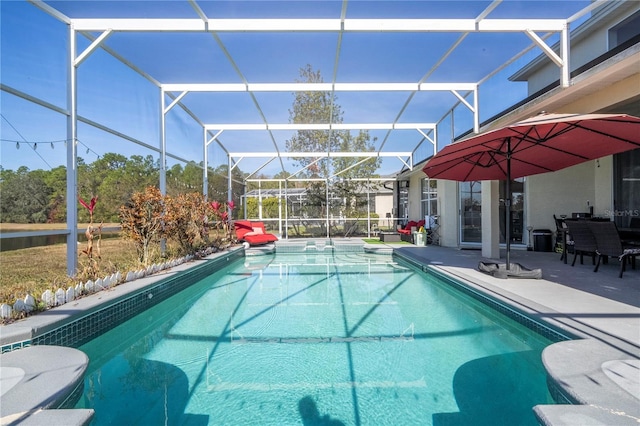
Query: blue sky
33 47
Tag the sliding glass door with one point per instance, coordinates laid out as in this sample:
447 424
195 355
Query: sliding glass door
470 212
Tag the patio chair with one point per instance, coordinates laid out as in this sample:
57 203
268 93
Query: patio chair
561 233
583 240
253 233
608 244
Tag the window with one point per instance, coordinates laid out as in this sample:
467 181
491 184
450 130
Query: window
429 197
403 200
624 31
626 188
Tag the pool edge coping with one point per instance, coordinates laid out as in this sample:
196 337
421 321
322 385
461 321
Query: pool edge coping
576 392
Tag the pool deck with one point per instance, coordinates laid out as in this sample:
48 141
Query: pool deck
599 372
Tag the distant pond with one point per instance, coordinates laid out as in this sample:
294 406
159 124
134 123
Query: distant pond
8 244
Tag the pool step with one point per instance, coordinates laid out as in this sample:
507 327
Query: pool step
319 246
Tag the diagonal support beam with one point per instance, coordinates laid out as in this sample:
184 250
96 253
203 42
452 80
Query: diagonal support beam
464 101
428 138
305 167
352 166
175 101
93 46
235 163
409 164
261 167
545 48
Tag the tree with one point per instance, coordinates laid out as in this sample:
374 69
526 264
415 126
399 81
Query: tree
104 177
315 108
218 185
56 180
320 107
270 208
346 189
25 196
39 196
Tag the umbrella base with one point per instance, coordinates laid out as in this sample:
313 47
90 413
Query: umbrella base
516 270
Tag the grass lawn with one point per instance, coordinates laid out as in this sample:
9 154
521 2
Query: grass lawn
36 269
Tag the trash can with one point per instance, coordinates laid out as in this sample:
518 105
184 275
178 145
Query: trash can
420 238
542 239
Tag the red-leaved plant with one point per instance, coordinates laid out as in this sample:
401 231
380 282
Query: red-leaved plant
221 217
92 251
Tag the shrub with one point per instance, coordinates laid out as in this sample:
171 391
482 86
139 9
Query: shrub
186 221
142 221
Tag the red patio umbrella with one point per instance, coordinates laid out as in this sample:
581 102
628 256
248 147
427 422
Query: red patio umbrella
540 144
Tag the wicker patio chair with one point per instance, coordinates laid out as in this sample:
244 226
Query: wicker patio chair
608 244
583 240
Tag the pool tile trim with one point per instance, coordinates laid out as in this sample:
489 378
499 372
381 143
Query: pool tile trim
521 317
79 329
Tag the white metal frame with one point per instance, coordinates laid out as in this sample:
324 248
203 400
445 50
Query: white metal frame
107 27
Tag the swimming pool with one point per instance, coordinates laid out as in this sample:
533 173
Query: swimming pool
325 339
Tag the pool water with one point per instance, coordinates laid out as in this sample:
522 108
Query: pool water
335 339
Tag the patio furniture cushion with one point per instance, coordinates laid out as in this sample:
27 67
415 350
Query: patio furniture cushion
253 232
411 224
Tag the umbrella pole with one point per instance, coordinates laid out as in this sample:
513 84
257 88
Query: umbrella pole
508 204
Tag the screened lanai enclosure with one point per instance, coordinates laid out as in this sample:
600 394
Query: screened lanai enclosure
355 208
301 112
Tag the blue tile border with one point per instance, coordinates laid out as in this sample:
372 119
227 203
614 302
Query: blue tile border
550 333
79 330
16 345
556 393
513 313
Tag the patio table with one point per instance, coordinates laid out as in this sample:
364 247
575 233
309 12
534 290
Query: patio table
390 237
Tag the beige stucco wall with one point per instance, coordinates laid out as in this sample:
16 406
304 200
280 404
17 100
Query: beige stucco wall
415 195
612 94
384 205
562 192
603 187
490 219
448 208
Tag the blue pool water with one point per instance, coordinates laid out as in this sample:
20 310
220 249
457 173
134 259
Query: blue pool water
336 339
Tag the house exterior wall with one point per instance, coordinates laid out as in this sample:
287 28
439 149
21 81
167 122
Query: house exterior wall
581 53
448 208
603 187
384 205
610 95
561 193
490 219
590 43
415 195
